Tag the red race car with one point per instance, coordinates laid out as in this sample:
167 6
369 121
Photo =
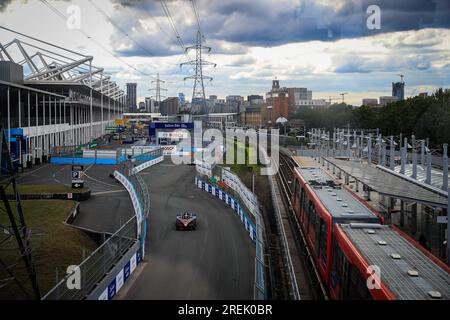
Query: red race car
186 221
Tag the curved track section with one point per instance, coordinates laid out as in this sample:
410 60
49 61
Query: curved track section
214 262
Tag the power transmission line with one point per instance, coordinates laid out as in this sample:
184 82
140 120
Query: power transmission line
197 17
64 18
172 24
119 28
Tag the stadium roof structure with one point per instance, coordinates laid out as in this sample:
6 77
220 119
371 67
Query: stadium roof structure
46 63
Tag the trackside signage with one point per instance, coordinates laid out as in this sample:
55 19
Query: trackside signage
230 201
146 165
122 276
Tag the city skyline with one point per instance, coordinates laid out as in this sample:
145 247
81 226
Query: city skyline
333 55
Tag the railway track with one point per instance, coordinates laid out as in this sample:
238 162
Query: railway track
317 290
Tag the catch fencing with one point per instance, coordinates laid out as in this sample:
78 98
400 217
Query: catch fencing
85 277
92 271
253 224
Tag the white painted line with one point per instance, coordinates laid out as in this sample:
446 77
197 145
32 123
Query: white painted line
99 181
54 175
32 172
107 192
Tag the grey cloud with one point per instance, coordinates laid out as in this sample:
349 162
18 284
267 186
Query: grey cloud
360 64
4 4
270 22
241 61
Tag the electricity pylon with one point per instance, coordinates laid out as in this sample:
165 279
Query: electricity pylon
158 90
199 87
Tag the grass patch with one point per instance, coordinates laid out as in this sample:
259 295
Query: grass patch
45 188
249 153
55 245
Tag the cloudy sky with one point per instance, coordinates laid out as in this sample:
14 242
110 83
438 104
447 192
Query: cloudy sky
324 45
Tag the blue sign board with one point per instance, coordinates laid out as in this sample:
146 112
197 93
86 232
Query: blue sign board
169 125
112 289
126 271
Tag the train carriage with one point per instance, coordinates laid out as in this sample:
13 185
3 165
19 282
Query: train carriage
373 261
319 203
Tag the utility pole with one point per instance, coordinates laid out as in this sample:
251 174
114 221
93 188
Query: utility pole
199 88
158 90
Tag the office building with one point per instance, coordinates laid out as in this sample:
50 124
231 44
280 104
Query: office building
255 99
384 101
370 102
132 96
170 106
398 90
251 116
276 106
182 98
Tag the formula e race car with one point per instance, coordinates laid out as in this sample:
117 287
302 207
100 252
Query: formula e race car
186 221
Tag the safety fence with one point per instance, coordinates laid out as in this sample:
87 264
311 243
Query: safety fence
115 279
232 202
127 174
146 165
84 278
102 274
254 228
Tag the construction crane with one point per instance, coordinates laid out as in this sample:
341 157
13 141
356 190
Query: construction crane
343 96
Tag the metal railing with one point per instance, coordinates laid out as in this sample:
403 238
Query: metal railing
94 268
136 180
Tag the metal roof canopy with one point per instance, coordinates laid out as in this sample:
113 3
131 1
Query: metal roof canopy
18 86
389 184
47 63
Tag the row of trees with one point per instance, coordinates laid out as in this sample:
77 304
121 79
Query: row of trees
424 117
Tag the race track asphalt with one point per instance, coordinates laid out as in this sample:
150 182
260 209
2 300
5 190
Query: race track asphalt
214 262
109 206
